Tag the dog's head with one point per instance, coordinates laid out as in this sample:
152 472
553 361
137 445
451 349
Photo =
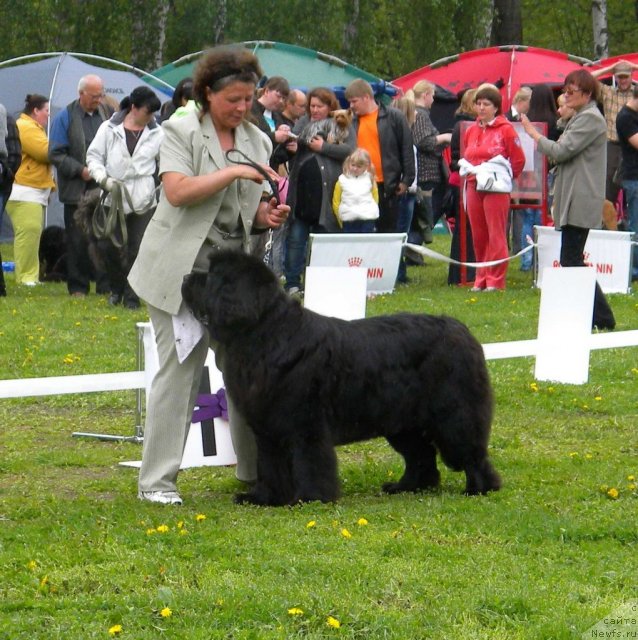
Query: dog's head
342 118
233 296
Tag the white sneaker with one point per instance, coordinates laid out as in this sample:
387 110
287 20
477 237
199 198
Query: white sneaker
161 497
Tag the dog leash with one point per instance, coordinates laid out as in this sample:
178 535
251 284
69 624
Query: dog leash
246 161
251 163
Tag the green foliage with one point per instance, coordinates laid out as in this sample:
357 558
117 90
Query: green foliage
386 37
567 26
546 557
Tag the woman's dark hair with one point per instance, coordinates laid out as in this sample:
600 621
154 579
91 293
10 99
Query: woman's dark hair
141 97
183 91
327 96
542 106
222 66
34 101
491 93
584 81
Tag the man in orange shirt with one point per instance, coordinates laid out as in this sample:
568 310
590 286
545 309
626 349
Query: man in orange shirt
385 134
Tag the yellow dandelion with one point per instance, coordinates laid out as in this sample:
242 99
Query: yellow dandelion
311 524
166 612
634 370
44 582
588 456
162 528
550 389
115 630
68 359
395 534
631 486
150 532
598 398
573 454
219 602
180 524
200 517
631 477
613 493
362 522
32 564
78 324
183 532
346 534
295 611
533 386
333 622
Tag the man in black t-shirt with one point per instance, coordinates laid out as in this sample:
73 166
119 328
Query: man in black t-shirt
627 128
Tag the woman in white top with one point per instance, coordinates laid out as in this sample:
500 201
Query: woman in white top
124 155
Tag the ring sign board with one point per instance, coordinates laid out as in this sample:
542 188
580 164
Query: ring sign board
609 252
377 253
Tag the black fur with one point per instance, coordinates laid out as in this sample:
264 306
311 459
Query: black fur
52 254
306 383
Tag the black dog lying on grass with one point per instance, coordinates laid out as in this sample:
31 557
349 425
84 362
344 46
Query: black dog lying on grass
306 383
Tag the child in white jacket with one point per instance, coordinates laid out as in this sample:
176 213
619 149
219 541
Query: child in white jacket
355 200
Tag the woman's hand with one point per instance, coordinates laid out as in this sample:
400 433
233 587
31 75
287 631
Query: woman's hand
316 144
530 129
270 215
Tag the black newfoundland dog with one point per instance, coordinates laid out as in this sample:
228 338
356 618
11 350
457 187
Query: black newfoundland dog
306 383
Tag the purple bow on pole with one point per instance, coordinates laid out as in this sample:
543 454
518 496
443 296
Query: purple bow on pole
210 405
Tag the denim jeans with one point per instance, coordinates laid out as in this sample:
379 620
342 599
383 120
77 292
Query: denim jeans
404 221
359 226
631 193
530 217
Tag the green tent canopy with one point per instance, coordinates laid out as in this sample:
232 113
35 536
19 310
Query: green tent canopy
303 68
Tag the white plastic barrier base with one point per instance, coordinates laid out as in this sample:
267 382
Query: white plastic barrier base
208 443
338 292
564 323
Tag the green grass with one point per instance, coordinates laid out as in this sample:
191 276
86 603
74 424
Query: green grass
546 557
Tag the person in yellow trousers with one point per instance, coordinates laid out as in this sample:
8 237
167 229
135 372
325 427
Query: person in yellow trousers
31 189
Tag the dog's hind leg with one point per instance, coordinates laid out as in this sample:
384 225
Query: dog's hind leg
420 463
481 477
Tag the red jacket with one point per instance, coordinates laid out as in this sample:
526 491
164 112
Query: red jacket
498 137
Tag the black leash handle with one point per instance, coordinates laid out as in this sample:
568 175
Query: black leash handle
251 163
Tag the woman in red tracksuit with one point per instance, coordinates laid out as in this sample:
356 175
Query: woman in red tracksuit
489 136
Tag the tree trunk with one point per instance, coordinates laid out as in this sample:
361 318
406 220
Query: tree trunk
220 23
149 33
599 22
507 23
350 30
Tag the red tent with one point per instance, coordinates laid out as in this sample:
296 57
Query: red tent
510 65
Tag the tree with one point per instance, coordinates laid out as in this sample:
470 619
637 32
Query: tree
507 22
599 22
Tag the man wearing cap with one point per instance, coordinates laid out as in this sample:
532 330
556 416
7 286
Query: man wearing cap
614 98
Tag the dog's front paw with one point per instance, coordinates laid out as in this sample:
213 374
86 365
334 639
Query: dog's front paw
247 498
